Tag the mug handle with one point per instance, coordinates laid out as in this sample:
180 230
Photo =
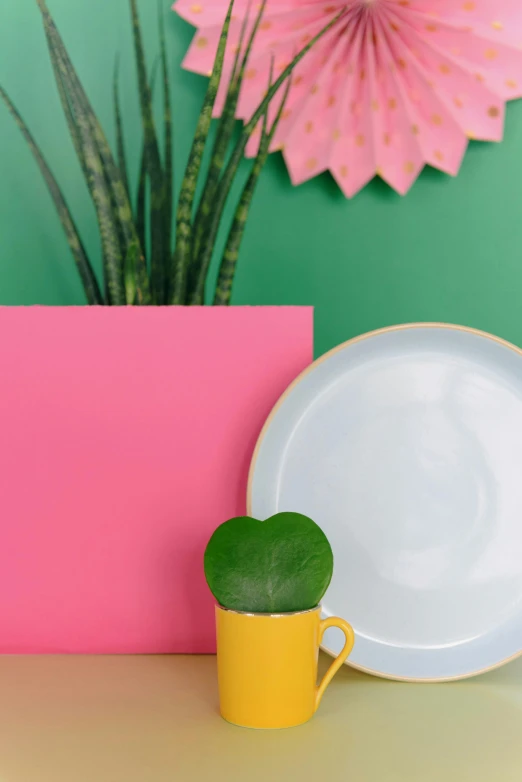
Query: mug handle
334 621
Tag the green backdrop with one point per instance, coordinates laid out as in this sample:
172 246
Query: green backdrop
451 250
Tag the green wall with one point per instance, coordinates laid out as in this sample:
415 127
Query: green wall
451 250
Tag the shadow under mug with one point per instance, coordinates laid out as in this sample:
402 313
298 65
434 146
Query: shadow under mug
267 665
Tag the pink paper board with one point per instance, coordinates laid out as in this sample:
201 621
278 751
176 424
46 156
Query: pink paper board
126 435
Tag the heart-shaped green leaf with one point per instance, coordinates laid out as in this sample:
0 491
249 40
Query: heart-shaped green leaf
282 564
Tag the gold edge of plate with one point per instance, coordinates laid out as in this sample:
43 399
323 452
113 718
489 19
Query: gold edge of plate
288 391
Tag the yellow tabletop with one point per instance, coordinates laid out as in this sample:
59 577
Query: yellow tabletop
155 719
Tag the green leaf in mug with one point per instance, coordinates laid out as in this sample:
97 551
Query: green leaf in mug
282 564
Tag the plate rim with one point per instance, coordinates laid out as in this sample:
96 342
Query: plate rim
354 340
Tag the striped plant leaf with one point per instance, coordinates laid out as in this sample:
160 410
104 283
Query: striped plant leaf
74 132
229 260
100 193
182 255
169 149
64 98
160 252
223 190
141 203
87 276
122 167
69 116
141 198
75 135
224 134
120 141
122 213
130 273
238 57
103 176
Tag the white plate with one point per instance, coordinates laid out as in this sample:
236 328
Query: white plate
405 445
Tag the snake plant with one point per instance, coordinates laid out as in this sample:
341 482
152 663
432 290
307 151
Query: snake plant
136 272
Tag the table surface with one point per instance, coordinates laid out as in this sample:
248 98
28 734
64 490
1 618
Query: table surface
155 719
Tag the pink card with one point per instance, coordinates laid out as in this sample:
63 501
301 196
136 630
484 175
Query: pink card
126 439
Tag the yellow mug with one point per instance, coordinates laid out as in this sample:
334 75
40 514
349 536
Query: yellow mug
267 665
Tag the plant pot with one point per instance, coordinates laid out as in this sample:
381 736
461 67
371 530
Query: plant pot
126 439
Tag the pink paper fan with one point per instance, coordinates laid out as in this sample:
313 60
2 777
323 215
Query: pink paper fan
395 84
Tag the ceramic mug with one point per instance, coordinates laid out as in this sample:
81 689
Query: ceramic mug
267 665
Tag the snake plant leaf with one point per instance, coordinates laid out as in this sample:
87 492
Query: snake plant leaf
169 148
94 169
87 276
69 116
224 134
226 117
230 257
103 176
182 255
279 565
130 273
120 141
131 253
141 198
141 203
75 136
71 122
160 252
223 190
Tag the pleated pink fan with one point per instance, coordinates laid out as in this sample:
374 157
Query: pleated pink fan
395 84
